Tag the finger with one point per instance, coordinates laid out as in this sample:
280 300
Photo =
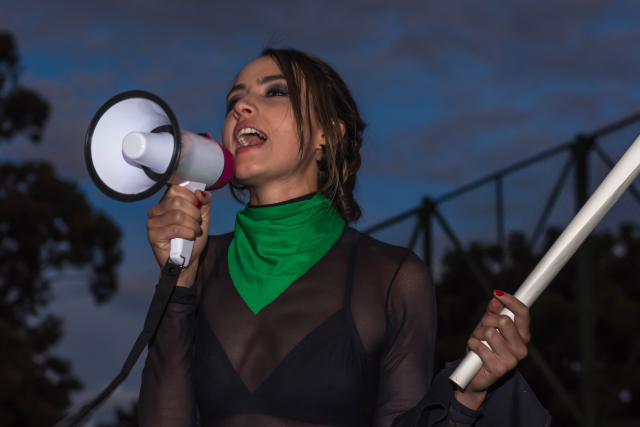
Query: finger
502 349
176 203
204 197
489 359
179 191
516 306
492 363
495 306
522 317
173 218
505 326
165 234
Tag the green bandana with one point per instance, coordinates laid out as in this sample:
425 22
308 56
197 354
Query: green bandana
275 245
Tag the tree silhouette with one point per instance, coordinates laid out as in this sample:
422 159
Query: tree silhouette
616 261
21 110
45 225
125 418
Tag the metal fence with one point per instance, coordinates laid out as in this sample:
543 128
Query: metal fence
529 196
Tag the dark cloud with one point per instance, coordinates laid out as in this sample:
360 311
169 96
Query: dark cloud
453 137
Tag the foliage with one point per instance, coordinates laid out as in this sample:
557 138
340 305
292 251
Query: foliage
125 418
21 110
615 264
45 225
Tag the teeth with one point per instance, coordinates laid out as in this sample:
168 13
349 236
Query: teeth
251 130
242 141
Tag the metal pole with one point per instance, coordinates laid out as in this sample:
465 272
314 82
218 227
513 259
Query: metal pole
425 223
542 222
414 234
585 291
471 265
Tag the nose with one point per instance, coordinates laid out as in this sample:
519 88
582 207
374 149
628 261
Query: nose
244 107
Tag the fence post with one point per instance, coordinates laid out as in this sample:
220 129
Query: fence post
425 221
585 290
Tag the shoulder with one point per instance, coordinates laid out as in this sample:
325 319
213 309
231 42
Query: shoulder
386 255
220 239
216 245
399 266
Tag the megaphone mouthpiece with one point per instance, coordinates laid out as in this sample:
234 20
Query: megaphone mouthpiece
153 150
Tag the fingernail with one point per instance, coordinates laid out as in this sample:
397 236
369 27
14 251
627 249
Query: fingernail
202 193
200 233
199 205
498 293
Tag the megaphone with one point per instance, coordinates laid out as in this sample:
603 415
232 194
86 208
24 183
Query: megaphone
134 147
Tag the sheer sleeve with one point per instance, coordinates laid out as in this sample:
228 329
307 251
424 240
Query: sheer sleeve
405 398
406 364
167 395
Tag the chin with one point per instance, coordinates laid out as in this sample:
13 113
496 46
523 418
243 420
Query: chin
248 178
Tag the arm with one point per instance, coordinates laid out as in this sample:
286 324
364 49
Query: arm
406 365
167 395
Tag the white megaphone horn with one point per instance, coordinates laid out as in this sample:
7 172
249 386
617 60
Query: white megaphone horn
134 147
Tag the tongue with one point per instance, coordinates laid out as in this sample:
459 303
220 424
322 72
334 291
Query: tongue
253 139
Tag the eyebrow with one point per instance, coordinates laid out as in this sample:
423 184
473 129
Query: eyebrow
263 81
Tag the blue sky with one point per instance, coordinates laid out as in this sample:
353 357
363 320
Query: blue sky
451 90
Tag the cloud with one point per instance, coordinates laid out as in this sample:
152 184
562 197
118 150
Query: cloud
452 137
459 88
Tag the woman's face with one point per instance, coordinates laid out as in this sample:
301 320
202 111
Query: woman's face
260 129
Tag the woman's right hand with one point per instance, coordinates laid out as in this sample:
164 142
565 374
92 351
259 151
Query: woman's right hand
180 214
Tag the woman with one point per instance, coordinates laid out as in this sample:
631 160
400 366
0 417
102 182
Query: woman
302 320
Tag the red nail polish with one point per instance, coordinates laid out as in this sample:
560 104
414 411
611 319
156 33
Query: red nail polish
202 193
498 293
199 205
200 233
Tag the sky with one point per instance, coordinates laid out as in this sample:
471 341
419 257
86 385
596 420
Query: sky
451 90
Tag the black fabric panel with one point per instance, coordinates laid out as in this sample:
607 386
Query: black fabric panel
329 351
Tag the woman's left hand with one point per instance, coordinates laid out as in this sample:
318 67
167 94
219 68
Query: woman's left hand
508 339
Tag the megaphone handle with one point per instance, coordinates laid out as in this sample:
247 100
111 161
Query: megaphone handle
181 249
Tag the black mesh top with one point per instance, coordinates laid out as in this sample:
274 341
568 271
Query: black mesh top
350 343
331 350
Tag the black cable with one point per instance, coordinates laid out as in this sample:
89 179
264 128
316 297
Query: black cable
161 296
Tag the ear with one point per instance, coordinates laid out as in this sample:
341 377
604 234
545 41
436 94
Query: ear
321 144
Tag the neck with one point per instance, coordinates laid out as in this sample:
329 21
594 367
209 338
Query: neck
270 195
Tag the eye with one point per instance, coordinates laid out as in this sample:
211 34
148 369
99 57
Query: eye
277 91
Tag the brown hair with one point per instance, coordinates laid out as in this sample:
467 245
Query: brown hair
332 105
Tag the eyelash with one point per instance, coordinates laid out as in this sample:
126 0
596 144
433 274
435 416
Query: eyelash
270 93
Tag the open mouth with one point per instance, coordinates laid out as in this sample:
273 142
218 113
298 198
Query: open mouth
249 136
